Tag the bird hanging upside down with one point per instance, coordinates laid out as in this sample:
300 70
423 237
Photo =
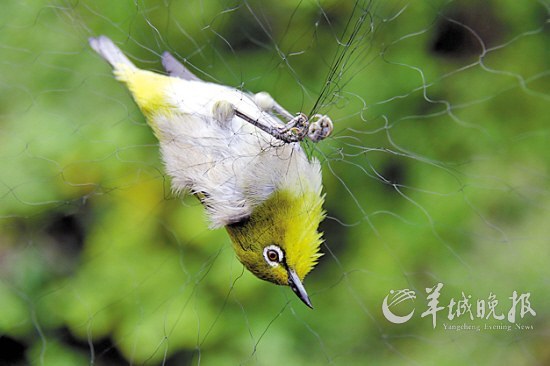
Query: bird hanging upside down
232 150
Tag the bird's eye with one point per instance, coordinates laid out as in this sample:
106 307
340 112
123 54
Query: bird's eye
273 255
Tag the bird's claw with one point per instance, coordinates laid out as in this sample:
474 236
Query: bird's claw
296 127
320 127
300 127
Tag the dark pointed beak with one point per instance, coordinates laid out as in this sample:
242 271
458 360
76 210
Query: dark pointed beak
296 286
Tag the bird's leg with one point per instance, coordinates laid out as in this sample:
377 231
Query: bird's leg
316 129
296 129
287 133
223 111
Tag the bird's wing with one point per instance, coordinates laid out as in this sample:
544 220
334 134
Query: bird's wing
176 68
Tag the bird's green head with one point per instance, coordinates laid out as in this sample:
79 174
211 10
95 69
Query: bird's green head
279 241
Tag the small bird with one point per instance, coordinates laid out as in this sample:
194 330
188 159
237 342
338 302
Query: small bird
232 150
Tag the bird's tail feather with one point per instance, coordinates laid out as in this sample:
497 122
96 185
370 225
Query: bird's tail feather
148 88
110 52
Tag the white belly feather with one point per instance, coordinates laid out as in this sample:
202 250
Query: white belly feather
231 165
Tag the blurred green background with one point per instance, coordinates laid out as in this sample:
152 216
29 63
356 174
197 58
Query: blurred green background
438 172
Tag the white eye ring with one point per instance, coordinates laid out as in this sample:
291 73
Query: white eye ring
268 251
